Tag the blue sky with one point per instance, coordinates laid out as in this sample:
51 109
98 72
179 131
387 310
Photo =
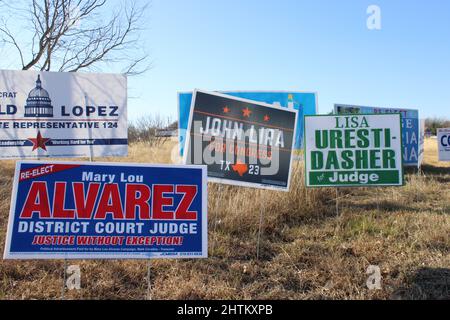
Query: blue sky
322 46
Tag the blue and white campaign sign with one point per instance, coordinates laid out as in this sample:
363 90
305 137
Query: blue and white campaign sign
410 128
304 102
85 210
443 140
55 114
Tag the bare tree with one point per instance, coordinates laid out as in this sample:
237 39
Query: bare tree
434 123
146 129
71 35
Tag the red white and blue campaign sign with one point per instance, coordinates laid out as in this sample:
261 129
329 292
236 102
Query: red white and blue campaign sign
82 210
62 114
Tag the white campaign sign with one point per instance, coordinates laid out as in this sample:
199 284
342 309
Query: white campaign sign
443 138
353 150
53 114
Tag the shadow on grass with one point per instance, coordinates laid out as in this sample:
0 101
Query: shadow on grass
428 169
426 284
384 205
441 174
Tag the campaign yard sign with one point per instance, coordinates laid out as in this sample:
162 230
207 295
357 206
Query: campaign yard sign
304 102
443 140
410 129
85 210
353 150
55 114
242 142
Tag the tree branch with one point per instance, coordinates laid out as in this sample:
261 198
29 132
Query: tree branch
72 35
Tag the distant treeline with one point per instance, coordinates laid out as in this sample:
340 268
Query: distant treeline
147 129
433 123
154 130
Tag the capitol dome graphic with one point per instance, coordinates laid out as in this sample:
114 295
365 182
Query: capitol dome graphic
38 102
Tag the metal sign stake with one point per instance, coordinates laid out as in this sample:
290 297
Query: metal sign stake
261 212
63 289
213 244
149 285
378 201
337 202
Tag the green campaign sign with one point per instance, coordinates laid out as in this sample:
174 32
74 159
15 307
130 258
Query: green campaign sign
353 150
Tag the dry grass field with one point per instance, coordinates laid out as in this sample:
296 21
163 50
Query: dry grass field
307 251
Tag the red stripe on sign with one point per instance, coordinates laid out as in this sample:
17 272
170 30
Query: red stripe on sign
44 170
